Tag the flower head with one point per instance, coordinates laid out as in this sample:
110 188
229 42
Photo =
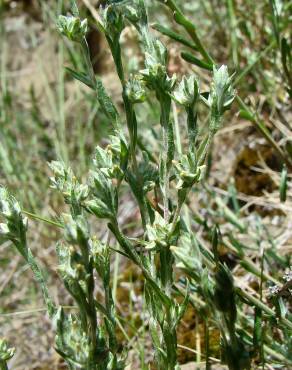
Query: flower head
72 27
187 91
6 353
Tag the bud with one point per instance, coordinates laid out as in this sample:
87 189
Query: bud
65 181
63 177
104 202
221 96
97 248
187 92
102 158
6 353
9 207
222 92
72 27
112 160
15 225
68 264
188 172
155 74
157 53
112 22
135 13
159 233
135 90
98 208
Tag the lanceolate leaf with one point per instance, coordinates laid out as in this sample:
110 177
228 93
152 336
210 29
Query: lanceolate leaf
74 8
198 62
283 185
106 102
82 77
174 35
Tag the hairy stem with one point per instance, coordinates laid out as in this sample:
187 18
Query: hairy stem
3 365
92 319
165 103
91 312
131 125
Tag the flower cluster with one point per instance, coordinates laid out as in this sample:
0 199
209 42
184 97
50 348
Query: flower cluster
6 352
187 92
72 27
14 226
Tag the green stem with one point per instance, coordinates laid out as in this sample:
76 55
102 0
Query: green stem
166 257
166 176
132 254
92 319
131 125
26 253
176 130
177 213
263 307
165 103
3 365
192 127
109 301
132 129
202 158
91 311
190 28
46 220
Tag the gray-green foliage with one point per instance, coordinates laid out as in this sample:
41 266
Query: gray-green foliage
86 338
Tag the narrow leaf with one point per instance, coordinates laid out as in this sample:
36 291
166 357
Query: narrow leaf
246 115
74 8
283 185
106 102
82 77
198 62
174 36
257 329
